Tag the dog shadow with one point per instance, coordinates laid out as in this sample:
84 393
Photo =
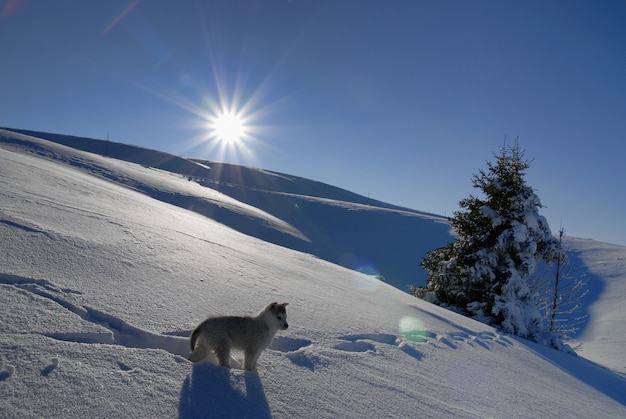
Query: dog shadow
215 391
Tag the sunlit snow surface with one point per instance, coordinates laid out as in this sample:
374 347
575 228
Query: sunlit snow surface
101 283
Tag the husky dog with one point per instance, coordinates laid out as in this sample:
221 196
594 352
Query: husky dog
249 334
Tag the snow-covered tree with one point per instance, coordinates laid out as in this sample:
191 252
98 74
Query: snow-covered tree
500 238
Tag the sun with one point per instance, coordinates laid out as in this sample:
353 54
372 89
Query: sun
229 127
226 131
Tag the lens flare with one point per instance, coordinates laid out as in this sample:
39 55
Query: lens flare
412 329
119 17
367 282
371 280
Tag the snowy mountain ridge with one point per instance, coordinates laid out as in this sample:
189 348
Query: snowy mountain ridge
101 283
334 224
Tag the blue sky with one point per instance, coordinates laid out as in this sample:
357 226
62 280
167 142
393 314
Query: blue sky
402 101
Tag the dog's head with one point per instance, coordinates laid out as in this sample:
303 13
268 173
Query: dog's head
279 314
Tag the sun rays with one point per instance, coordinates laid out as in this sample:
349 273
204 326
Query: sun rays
225 132
228 108
222 128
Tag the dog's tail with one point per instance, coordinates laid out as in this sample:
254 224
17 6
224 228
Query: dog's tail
197 352
194 338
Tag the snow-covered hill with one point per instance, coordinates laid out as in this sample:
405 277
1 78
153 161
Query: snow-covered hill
104 273
603 267
336 225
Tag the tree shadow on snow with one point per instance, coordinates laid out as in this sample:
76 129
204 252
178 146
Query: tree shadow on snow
214 391
576 269
597 376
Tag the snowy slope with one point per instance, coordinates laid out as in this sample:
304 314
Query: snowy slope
344 228
604 266
338 226
101 283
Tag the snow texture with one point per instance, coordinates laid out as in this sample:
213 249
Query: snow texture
102 282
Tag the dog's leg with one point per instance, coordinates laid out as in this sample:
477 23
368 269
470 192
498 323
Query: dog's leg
251 358
235 363
222 351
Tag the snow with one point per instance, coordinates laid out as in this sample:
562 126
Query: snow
604 339
101 283
334 224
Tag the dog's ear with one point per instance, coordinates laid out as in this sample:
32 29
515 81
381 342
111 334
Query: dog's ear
272 306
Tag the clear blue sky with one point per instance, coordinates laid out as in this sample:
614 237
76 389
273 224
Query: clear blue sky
400 100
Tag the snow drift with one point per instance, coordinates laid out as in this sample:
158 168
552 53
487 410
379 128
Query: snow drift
101 284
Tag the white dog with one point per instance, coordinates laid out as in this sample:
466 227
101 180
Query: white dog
250 334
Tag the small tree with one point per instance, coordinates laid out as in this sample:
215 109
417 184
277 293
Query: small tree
500 237
560 290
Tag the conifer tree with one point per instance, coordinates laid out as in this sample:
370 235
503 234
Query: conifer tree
500 238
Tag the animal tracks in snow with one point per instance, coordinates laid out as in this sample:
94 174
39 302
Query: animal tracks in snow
287 344
367 343
482 339
54 363
359 343
298 351
112 330
355 346
103 328
7 372
414 330
412 334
